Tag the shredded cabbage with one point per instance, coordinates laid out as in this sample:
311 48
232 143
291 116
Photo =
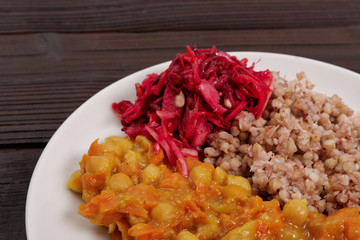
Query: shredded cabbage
201 92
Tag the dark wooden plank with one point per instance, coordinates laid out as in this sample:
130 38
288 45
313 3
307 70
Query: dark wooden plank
16 166
52 74
105 55
171 15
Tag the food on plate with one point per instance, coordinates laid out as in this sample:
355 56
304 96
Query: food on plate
305 145
217 150
129 188
200 93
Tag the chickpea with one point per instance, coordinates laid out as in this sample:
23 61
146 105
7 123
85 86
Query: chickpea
235 191
186 235
119 182
75 182
296 211
143 145
201 173
134 160
118 145
245 232
163 212
151 174
97 164
240 181
210 230
220 176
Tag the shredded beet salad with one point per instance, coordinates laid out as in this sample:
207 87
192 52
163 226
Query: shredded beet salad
201 92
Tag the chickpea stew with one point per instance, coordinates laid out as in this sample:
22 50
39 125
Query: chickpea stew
130 190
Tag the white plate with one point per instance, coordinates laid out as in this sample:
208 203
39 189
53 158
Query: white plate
51 209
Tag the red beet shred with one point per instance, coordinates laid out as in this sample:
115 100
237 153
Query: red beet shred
201 92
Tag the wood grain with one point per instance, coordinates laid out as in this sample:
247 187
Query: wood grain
171 15
52 74
16 166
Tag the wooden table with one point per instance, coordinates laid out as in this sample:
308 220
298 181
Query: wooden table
54 55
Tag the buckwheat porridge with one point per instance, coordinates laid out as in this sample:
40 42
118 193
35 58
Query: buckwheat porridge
306 145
